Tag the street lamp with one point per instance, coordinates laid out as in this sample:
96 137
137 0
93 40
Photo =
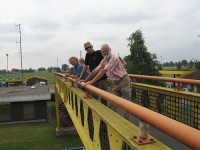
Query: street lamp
7 62
161 60
57 63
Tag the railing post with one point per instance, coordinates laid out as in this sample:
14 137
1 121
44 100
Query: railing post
143 134
57 110
87 93
72 84
143 130
135 80
178 86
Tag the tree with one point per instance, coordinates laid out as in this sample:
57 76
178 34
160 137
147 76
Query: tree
171 64
197 64
191 65
179 66
41 69
160 67
140 61
50 69
166 64
184 62
65 67
58 69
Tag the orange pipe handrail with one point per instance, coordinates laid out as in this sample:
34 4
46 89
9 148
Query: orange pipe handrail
183 133
177 80
177 130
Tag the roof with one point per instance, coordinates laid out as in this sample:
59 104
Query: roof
191 75
24 93
36 77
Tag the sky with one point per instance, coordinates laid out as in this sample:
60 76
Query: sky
54 30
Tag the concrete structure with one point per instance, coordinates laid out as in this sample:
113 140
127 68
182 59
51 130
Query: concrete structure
23 104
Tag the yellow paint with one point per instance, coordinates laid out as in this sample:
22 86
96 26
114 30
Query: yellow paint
119 130
176 71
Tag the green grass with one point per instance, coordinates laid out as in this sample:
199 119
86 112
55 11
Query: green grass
35 136
44 74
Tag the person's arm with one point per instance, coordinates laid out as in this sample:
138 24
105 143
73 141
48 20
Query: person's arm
82 72
91 75
72 76
97 77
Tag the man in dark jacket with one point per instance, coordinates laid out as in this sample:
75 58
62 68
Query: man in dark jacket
93 59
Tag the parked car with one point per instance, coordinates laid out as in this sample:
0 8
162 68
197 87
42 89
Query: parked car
186 89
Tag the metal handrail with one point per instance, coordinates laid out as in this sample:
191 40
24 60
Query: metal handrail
176 80
183 133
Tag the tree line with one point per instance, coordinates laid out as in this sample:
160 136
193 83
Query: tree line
192 64
64 67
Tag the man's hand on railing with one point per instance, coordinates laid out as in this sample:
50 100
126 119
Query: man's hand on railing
83 81
88 82
78 79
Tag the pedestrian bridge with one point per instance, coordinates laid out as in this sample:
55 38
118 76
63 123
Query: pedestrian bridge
172 111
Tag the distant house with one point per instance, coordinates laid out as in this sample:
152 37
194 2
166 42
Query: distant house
36 80
33 80
23 104
192 75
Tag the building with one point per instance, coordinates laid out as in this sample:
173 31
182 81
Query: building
23 104
190 87
33 80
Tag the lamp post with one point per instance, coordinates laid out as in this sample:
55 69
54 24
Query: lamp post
7 62
57 63
161 60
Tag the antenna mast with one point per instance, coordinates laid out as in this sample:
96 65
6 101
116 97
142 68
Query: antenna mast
20 42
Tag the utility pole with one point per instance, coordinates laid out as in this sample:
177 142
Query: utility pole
161 60
7 63
57 63
20 42
80 54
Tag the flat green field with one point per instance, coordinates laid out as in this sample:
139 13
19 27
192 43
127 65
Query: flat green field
50 75
36 136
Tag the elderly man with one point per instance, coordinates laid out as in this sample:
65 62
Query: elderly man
112 66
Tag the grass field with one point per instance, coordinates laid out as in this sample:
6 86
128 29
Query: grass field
35 136
50 75
45 74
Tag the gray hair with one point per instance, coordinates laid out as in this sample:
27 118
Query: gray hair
105 45
73 57
86 43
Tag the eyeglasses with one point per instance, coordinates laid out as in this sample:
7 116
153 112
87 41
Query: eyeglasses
88 47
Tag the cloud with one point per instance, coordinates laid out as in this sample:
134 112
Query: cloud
57 30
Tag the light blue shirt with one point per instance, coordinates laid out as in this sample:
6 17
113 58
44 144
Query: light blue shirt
78 69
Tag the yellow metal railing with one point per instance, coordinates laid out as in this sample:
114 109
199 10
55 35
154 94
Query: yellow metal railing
97 125
91 118
179 105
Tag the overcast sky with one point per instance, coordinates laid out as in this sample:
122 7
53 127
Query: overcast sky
57 29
